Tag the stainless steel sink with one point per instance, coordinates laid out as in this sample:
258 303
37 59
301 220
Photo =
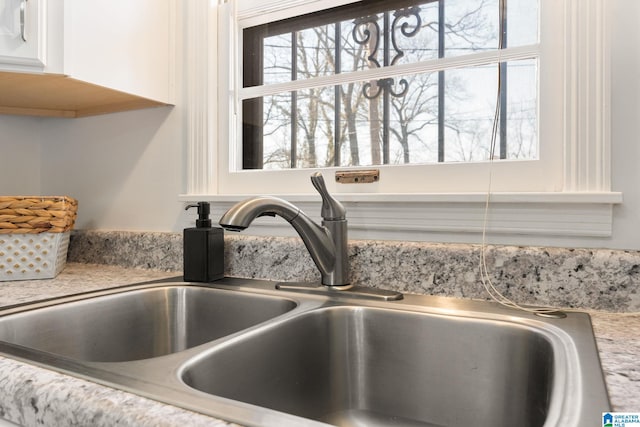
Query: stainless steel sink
378 367
139 324
243 351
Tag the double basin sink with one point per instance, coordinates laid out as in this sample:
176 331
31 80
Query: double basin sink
243 351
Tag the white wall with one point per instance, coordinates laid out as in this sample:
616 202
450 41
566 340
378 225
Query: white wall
625 123
127 169
19 155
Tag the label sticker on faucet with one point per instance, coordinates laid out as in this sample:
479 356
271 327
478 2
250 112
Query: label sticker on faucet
621 419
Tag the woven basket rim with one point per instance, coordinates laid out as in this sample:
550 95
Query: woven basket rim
69 199
37 214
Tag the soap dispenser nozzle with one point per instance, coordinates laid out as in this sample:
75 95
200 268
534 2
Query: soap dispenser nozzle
204 210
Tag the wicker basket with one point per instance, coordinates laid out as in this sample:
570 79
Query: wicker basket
34 235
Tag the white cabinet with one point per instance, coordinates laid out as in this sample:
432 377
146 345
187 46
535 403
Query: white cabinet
22 39
85 57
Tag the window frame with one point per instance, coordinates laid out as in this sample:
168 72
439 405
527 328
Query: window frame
542 175
579 164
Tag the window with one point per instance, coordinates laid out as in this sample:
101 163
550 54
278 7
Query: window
433 139
553 187
432 98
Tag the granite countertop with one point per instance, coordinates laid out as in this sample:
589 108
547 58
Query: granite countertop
30 395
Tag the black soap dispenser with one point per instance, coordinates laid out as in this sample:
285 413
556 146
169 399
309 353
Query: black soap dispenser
203 248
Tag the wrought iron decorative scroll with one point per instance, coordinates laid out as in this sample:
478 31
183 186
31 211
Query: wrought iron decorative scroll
385 84
367 31
365 24
413 11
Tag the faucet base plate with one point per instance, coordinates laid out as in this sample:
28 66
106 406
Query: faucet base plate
351 291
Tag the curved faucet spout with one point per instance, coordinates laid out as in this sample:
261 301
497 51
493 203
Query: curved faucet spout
241 215
316 238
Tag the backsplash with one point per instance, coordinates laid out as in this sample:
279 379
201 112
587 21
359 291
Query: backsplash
599 279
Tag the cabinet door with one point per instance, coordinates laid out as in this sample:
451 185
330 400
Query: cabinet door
124 45
22 32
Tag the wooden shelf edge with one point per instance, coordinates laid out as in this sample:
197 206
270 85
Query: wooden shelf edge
52 95
38 112
134 104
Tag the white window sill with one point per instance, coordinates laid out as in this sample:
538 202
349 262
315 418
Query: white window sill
442 217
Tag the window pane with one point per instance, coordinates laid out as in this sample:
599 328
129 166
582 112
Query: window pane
277 132
522 110
408 33
314 128
360 125
277 59
413 126
470 26
522 22
470 107
315 52
413 43
396 121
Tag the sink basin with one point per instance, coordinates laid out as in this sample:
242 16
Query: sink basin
243 351
139 324
355 366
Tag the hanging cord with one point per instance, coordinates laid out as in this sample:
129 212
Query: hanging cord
485 277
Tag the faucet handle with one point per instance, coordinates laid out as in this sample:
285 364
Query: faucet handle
332 209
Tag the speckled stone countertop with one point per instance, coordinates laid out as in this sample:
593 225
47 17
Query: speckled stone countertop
587 279
31 396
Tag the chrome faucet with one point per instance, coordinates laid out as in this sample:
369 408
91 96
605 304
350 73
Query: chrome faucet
326 243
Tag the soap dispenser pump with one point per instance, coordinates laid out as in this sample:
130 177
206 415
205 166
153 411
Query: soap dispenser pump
203 248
